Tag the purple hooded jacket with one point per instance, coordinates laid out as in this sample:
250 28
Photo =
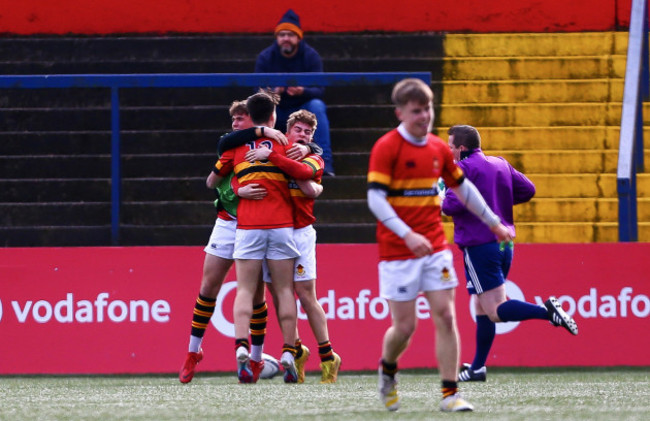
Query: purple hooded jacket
501 186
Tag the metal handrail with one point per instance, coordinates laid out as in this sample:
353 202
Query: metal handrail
187 80
630 149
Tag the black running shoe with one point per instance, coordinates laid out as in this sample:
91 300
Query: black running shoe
559 317
468 375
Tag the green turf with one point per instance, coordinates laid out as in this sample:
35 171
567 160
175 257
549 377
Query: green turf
510 394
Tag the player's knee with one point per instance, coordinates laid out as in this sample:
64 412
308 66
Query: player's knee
405 329
494 317
444 319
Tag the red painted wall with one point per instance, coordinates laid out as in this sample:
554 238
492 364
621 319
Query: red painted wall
250 16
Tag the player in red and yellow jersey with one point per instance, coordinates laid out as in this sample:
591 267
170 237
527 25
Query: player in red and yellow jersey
264 231
219 257
275 210
307 174
414 256
408 173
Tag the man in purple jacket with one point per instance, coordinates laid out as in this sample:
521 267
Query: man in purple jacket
487 262
290 54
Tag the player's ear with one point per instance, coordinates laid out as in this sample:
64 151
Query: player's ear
398 113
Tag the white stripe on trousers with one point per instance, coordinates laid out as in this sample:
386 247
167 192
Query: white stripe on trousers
472 274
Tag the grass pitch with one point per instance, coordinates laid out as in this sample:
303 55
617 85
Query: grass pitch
509 394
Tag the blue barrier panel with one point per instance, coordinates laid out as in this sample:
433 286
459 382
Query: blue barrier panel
187 80
198 80
630 149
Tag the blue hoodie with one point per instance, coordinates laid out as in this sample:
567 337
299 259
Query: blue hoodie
501 186
271 60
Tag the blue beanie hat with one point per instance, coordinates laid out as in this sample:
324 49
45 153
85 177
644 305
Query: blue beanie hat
290 21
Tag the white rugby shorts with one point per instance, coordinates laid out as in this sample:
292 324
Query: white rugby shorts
403 280
222 239
305 265
258 244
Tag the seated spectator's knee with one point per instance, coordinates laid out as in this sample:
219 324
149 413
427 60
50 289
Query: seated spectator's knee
316 106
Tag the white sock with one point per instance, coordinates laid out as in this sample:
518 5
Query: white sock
256 352
242 354
195 343
287 356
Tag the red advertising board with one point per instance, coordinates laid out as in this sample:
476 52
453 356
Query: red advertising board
128 310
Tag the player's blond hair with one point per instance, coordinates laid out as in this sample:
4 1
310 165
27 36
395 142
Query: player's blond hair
411 89
302 116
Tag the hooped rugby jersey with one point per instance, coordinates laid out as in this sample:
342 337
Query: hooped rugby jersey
275 210
408 173
310 168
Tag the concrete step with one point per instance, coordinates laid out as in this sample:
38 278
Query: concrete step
138 166
98 142
537 44
532 91
576 210
532 67
529 162
55 236
549 137
201 117
526 115
215 65
63 166
54 190
215 117
564 162
222 46
577 232
89 190
584 185
341 187
54 213
350 211
343 232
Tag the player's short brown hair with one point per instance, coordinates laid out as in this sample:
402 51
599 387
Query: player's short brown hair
238 107
302 116
465 135
261 106
411 89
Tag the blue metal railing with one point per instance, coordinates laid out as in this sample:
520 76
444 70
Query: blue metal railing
187 80
630 149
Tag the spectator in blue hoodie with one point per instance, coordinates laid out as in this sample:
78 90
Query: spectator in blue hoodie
290 54
487 262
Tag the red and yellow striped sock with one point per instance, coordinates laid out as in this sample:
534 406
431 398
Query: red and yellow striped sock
325 351
449 388
289 348
258 323
203 310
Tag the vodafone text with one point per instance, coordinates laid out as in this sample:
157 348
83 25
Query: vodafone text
85 311
625 304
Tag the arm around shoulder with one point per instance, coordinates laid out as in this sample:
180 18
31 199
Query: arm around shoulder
310 188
